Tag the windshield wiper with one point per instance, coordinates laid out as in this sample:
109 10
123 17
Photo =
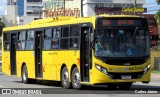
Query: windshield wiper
134 34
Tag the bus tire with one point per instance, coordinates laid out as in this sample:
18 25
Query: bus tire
25 78
76 79
125 86
65 78
112 86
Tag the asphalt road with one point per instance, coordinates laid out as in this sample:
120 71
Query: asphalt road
14 83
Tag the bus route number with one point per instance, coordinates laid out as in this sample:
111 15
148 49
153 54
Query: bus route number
125 22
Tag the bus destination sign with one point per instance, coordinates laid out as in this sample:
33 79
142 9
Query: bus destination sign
119 22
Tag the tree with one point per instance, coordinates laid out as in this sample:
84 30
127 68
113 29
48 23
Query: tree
157 17
1 26
1 23
158 2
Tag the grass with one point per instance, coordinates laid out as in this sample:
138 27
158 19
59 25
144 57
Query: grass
156 71
0 69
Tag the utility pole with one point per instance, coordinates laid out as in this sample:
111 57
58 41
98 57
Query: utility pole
81 8
135 2
64 3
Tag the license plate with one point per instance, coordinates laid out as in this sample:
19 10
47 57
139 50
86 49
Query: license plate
126 76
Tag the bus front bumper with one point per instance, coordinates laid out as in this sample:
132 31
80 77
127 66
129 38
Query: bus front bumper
100 77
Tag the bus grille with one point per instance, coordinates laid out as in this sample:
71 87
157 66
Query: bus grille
123 62
134 75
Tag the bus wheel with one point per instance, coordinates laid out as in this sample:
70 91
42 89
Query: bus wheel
112 86
125 86
65 78
76 79
25 78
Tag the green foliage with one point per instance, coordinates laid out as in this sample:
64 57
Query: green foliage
156 71
158 2
157 17
1 23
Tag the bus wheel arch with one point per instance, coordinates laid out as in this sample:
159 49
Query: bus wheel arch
65 80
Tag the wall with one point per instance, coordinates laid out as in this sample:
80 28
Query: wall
154 53
20 4
10 15
92 7
56 8
23 20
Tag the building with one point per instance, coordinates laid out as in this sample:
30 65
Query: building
20 4
152 8
21 12
10 13
95 7
28 10
92 7
153 28
53 8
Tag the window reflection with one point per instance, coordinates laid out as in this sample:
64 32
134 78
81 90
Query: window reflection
29 45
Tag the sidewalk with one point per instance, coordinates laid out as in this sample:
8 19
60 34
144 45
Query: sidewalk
155 76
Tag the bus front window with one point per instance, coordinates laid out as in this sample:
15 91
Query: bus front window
122 43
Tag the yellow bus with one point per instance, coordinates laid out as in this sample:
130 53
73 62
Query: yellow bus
111 50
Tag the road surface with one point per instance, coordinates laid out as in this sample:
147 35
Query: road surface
7 82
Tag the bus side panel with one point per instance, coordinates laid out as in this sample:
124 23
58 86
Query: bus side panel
46 64
19 62
6 63
68 58
59 58
26 57
30 61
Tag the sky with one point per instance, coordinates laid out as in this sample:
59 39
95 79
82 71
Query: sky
150 0
3 3
2 6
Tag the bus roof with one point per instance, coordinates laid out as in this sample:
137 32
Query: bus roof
49 22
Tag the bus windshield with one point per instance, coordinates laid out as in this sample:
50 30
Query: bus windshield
121 42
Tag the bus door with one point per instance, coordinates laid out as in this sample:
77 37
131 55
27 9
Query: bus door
38 54
13 53
85 54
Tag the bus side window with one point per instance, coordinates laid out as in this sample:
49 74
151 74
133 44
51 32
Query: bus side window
21 40
19 45
74 36
30 40
47 39
56 36
6 41
64 42
74 42
6 46
48 33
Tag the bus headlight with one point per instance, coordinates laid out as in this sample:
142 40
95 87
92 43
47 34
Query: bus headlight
102 69
146 68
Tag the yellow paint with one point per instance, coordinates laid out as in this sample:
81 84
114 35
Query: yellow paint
26 57
46 64
6 62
